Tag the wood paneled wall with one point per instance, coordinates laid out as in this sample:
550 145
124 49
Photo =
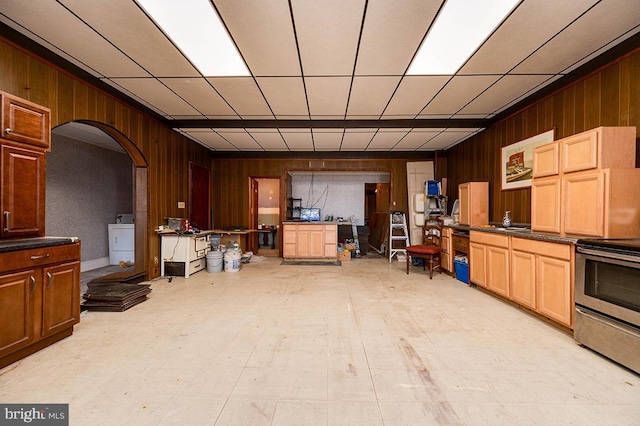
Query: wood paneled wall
231 181
608 97
167 153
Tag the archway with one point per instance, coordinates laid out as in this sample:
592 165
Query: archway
140 192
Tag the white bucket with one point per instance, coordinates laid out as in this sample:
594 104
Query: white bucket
214 261
232 260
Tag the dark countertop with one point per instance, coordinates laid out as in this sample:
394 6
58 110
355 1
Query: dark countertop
521 233
31 243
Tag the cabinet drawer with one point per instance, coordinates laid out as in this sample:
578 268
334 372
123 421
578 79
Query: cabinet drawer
557 250
445 244
490 239
22 259
446 232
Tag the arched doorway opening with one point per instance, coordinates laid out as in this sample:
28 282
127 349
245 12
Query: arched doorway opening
123 165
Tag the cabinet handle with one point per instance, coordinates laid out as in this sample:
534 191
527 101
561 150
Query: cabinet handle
33 283
40 257
6 221
49 279
8 130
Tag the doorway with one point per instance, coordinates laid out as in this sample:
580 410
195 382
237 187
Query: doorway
265 215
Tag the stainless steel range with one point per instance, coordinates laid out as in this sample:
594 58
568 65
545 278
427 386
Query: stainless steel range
608 298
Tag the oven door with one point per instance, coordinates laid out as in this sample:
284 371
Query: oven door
608 283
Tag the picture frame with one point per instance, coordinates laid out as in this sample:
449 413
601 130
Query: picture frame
517 160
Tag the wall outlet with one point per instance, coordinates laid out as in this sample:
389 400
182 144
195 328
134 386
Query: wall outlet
181 204
155 260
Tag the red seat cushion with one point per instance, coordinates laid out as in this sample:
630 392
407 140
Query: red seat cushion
420 249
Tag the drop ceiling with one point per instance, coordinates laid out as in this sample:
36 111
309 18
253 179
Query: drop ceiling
326 75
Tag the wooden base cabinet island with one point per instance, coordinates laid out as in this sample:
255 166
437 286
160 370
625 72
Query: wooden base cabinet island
310 240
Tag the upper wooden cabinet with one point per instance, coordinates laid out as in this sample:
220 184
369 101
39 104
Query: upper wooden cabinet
25 122
474 203
585 185
599 148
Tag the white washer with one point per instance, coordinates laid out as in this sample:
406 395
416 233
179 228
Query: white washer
121 243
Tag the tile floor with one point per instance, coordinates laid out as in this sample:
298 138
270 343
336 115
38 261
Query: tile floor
358 344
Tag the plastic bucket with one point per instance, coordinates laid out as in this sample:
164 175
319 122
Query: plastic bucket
214 261
232 260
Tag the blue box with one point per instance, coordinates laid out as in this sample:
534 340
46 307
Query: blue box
462 271
433 187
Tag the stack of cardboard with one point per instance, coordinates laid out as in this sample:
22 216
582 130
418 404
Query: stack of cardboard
115 297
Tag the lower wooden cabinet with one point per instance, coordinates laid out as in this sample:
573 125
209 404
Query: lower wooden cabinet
39 299
542 278
489 261
446 257
310 240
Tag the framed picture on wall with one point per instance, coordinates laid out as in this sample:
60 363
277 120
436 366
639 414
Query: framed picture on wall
517 160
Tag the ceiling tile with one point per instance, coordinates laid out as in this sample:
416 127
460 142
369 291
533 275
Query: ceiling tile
413 94
240 139
243 95
357 139
201 96
285 95
128 27
155 93
392 34
416 139
447 139
386 139
529 26
370 95
269 139
511 87
612 18
328 34
71 36
208 137
298 139
264 35
458 92
327 139
328 96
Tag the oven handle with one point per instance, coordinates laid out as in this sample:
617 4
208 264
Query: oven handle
616 256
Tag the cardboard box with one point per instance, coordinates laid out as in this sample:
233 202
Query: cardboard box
344 256
350 246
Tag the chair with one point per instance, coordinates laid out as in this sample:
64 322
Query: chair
430 249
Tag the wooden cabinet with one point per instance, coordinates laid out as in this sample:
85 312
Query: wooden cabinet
542 278
25 136
23 192
25 122
594 192
446 257
489 261
310 240
39 298
474 203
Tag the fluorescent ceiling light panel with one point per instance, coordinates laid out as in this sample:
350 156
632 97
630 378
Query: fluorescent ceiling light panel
459 29
195 27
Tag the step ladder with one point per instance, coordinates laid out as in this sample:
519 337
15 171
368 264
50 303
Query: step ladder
398 232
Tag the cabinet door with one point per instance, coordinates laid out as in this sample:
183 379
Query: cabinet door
330 241
23 192
316 243
523 278
446 259
289 241
584 199
546 160
477 264
61 300
580 152
554 289
25 122
16 311
545 205
497 270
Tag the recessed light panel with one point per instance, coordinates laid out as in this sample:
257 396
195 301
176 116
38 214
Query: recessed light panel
195 27
459 29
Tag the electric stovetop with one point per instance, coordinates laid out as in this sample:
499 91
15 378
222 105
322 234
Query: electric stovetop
622 244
